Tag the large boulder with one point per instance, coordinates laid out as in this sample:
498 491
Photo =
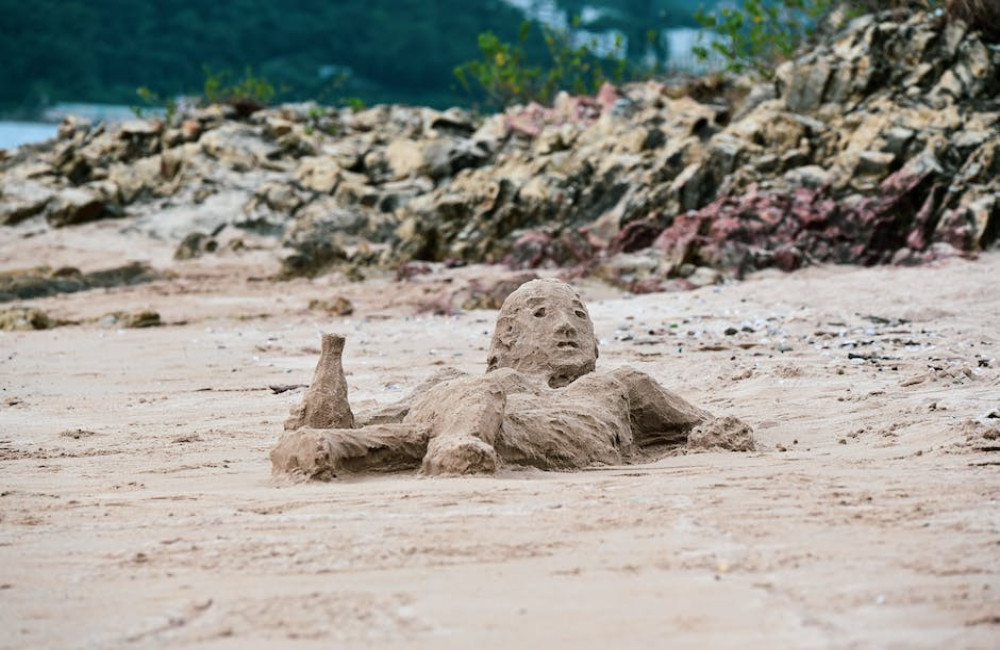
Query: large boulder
76 205
22 200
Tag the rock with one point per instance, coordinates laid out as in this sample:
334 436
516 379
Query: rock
971 227
769 126
810 176
555 138
539 248
277 127
968 141
691 187
809 83
641 139
25 319
436 158
985 213
404 158
318 237
319 174
75 205
134 320
141 128
71 126
20 200
641 272
272 205
238 146
398 194
875 163
311 258
143 318
191 130
43 282
210 208
704 276
329 217
490 294
948 88
141 179
759 93
897 140
336 306
195 245
452 122
281 197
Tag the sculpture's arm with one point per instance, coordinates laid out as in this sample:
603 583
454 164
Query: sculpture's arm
326 453
658 416
464 417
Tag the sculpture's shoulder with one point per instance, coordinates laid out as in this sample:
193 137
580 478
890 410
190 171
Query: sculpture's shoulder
627 374
398 410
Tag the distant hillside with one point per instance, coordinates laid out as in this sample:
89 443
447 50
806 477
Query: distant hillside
378 50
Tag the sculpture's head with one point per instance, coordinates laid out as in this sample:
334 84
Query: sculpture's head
544 329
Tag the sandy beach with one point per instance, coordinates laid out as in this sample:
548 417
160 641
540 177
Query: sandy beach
137 507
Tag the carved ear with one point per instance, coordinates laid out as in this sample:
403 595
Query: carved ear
504 335
597 351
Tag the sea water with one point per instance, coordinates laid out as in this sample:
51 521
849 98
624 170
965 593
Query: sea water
14 134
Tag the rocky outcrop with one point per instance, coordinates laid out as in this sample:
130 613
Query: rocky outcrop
881 145
43 281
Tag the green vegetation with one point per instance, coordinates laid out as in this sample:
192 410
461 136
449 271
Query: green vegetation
401 51
247 89
362 53
246 94
506 77
102 50
757 35
152 100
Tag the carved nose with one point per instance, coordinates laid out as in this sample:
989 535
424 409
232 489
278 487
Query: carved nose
565 327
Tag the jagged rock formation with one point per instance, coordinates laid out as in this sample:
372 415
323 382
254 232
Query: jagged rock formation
880 145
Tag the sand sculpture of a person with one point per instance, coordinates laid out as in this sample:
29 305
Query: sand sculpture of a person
540 404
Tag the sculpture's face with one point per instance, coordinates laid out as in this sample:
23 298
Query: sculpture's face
544 329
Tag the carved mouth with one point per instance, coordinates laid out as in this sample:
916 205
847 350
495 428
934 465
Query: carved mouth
568 344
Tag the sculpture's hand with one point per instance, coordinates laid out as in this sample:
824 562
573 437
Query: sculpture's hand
451 454
659 416
304 454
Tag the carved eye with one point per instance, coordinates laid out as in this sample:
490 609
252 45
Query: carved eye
580 313
540 312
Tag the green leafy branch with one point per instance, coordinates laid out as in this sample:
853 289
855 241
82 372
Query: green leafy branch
152 99
506 76
758 34
248 89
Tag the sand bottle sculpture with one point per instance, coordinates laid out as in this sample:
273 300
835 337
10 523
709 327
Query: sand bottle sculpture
325 405
541 403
